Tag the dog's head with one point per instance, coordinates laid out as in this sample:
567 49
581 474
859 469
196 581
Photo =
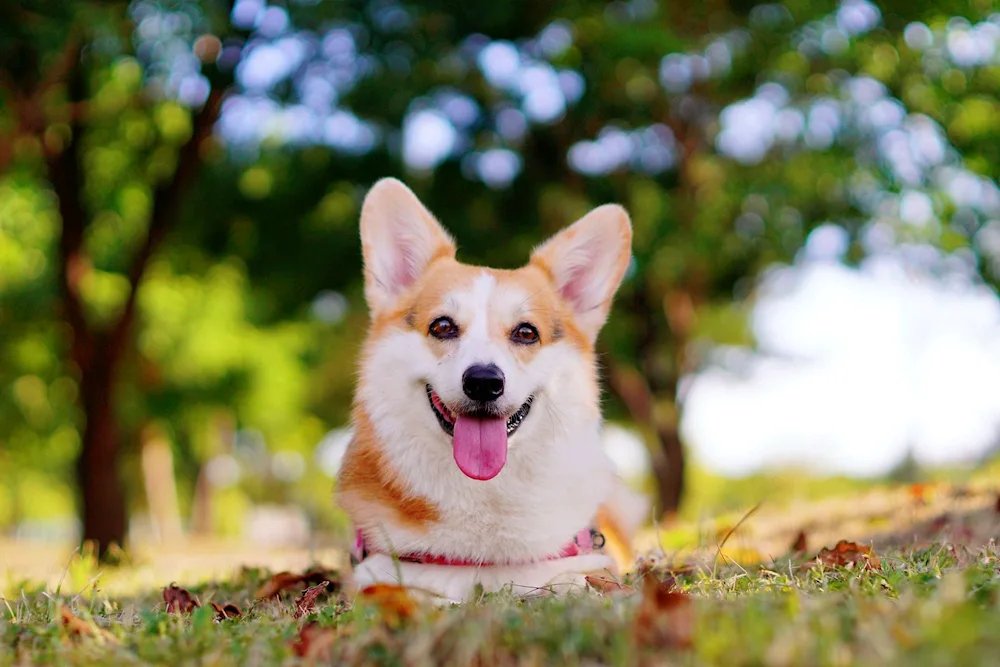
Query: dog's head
471 358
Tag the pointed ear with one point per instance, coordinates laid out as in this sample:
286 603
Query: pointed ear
399 240
587 261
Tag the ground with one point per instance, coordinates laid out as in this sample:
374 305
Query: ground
916 583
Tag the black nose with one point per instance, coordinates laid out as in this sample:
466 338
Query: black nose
483 382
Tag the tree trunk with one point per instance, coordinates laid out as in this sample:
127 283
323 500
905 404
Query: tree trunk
668 486
96 354
102 496
660 432
671 483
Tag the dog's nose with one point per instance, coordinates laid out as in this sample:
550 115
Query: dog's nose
483 382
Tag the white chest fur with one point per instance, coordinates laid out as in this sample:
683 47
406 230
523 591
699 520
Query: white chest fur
451 583
533 508
556 475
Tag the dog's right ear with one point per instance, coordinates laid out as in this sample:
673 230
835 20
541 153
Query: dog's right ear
587 262
399 240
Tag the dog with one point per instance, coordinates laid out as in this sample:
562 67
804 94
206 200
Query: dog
476 461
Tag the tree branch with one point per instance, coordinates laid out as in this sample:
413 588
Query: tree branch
25 99
631 388
166 206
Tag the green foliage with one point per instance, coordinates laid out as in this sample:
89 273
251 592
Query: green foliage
227 310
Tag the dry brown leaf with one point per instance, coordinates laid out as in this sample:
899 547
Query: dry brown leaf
961 492
963 534
317 575
918 492
228 610
78 627
395 602
939 524
609 586
846 553
178 600
314 642
800 545
282 581
665 618
306 603
645 567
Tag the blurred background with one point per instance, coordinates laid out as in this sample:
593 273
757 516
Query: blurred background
811 305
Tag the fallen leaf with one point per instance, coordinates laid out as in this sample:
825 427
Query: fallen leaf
314 642
680 570
306 603
609 586
282 581
918 492
395 602
665 618
800 545
645 567
178 600
939 524
317 575
228 610
80 628
845 553
963 533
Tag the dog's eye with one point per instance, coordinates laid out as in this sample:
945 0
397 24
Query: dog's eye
443 327
524 333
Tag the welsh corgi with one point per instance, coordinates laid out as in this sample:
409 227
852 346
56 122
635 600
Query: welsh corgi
476 461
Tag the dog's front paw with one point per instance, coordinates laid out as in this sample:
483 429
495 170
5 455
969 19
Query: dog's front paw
571 573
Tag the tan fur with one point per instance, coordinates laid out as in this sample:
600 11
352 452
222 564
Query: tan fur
564 292
366 476
426 301
616 539
552 257
368 488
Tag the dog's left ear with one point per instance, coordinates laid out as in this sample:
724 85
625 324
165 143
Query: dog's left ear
587 261
399 240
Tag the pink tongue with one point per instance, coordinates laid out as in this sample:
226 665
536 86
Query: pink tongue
480 446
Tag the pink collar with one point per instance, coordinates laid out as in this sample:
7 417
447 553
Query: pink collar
585 541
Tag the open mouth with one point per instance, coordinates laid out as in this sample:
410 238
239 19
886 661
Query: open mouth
479 439
446 418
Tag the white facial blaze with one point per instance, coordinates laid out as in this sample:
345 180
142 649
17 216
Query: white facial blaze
555 474
479 318
475 341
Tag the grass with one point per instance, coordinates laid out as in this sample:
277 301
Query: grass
933 600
